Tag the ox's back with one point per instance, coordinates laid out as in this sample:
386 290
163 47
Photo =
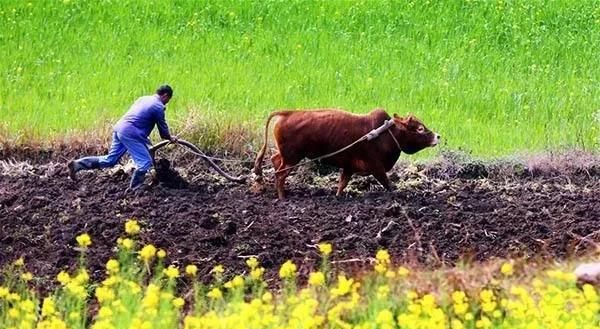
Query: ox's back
324 130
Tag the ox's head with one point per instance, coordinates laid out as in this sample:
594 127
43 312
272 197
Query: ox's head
413 135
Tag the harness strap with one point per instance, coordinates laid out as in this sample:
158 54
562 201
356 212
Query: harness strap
395 140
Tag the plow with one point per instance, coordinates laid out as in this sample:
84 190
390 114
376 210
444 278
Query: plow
196 151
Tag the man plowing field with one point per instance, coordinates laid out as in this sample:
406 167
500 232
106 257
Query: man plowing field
131 134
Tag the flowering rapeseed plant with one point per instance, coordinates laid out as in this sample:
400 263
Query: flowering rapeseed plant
384 298
325 248
507 269
191 270
287 270
172 272
316 279
84 240
147 253
19 262
132 227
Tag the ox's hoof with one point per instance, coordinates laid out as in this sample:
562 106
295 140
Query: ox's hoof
255 178
257 188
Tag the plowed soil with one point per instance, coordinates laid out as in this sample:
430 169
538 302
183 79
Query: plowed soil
434 216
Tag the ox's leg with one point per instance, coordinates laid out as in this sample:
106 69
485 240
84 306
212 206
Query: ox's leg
344 179
276 160
280 180
280 174
383 179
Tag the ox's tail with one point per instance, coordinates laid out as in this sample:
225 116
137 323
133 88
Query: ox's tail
261 154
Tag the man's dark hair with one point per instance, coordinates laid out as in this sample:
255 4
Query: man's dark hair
165 89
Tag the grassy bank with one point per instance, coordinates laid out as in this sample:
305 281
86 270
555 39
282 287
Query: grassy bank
142 290
493 77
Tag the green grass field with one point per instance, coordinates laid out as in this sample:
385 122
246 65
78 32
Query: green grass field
493 77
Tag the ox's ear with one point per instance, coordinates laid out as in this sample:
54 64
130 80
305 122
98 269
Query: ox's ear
410 117
399 118
400 121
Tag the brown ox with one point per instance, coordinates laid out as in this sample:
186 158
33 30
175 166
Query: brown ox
313 133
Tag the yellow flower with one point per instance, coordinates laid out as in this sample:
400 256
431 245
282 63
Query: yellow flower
178 302
325 248
112 266
13 313
76 289
287 270
257 273
104 294
238 281
152 297
215 293
161 253
252 262
84 240
461 308
219 269
484 322
132 227
191 270
19 262
486 295
105 312
403 271
316 279
428 301
127 243
456 324
172 272
459 297
382 256
380 268
111 281
13 297
27 276
28 306
507 269
148 252
48 307
385 318
383 292
344 286
589 292
63 277
411 295
267 297
4 292
81 277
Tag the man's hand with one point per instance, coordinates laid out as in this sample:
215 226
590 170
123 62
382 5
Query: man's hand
174 139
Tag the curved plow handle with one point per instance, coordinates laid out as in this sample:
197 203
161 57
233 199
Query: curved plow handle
197 151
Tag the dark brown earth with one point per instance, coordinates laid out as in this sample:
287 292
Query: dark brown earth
438 214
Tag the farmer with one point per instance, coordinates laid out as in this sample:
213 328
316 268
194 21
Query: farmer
131 134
